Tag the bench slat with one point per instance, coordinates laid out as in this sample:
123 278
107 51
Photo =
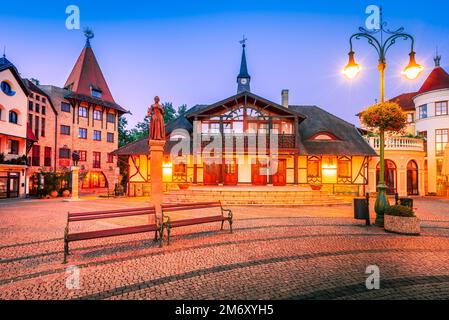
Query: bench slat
210 203
190 207
109 216
91 213
189 222
112 232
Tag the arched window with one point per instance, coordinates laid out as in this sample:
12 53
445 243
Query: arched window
13 117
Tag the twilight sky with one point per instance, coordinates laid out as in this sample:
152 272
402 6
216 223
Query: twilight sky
188 52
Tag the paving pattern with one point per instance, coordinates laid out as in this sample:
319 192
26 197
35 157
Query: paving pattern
274 253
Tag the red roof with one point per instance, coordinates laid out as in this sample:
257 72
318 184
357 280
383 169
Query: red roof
438 79
86 74
405 100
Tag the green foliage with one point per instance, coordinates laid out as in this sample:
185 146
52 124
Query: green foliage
399 211
181 110
22 160
170 112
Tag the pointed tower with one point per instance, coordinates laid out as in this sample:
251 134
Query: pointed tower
438 79
243 79
86 77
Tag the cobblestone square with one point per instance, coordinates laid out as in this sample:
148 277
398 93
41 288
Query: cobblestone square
274 253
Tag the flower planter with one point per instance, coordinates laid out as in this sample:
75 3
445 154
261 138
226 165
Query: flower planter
183 186
316 187
54 194
402 225
66 193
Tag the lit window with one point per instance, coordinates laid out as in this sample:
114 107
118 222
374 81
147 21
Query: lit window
110 158
83 155
97 115
441 140
323 136
82 111
410 118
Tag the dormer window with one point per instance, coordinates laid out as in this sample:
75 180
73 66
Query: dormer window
324 136
96 93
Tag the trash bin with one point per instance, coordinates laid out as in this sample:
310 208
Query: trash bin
360 209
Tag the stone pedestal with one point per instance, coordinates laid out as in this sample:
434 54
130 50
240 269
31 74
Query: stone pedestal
156 173
75 184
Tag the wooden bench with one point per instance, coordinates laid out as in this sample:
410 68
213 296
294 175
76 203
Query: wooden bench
168 223
109 214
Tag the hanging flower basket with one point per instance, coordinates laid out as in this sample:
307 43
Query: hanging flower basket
316 187
387 116
183 186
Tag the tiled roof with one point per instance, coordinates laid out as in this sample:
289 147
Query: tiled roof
438 79
405 100
350 143
87 74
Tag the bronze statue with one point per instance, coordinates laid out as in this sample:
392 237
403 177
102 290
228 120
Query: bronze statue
75 158
157 127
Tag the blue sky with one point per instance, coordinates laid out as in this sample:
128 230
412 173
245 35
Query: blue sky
188 51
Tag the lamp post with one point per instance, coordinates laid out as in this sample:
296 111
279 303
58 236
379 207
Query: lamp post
376 39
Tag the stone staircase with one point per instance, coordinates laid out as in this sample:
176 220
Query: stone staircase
256 197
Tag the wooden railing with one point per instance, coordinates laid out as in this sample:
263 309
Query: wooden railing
398 143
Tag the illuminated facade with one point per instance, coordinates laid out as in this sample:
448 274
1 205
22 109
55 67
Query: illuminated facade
229 143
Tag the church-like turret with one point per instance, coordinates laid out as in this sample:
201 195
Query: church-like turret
243 79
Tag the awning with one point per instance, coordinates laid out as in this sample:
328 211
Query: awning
30 135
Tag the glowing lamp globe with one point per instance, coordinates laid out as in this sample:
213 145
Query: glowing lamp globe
352 69
413 69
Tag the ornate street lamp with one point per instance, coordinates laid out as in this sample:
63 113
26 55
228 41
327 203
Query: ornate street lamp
411 71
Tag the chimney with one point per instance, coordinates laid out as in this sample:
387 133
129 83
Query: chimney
285 98
35 81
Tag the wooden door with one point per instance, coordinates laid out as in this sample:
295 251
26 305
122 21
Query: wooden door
230 173
258 174
280 176
211 174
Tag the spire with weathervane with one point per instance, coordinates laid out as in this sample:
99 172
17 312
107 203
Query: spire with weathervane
243 79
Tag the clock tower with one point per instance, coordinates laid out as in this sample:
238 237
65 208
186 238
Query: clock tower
243 79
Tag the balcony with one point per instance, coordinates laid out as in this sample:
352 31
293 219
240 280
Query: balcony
397 143
284 141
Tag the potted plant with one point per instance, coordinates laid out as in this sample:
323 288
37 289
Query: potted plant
183 186
316 187
66 193
402 220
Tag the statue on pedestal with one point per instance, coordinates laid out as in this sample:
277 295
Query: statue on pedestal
75 158
157 126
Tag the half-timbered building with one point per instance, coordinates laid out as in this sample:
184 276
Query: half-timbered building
246 139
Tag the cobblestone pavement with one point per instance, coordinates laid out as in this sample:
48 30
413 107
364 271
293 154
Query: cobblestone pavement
274 253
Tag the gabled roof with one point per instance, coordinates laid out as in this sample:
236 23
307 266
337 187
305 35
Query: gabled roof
438 79
350 142
244 98
87 74
405 101
5 64
34 88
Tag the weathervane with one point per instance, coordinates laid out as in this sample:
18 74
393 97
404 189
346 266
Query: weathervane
89 34
243 41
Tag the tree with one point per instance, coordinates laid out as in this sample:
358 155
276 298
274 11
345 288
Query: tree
181 110
123 134
170 112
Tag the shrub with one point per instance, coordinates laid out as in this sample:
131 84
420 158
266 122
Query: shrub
400 211
387 116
